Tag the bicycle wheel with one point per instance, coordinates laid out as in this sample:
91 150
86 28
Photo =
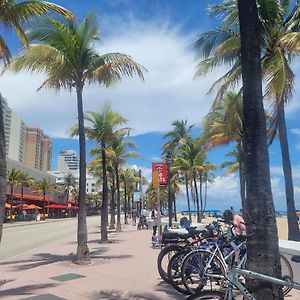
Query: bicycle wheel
206 295
287 273
163 259
174 271
200 268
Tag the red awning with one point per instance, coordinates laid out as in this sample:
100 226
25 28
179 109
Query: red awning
57 206
74 207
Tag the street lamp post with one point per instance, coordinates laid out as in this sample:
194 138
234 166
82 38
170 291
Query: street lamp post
169 161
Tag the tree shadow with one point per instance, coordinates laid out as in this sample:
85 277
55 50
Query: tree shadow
24 290
4 281
124 295
39 259
42 259
162 286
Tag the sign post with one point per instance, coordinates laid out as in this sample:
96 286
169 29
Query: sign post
158 177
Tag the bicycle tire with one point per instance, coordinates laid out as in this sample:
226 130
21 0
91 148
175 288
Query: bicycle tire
174 271
287 272
192 270
207 295
166 253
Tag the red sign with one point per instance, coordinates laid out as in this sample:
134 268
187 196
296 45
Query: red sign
161 168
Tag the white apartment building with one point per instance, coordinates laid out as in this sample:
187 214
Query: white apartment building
14 132
68 162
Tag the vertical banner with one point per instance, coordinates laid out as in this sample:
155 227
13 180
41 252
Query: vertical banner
161 168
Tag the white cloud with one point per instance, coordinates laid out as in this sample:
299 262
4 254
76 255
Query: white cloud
169 91
295 131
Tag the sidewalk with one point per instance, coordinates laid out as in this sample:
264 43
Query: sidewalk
124 269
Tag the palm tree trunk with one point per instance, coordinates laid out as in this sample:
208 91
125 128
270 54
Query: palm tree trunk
242 173
118 200
197 199
293 227
201 195
125 203
259 208
188 196
112 206
205 193
104 210
2 170
174 203
83 254
11 201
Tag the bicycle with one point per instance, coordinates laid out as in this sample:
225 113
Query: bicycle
233 278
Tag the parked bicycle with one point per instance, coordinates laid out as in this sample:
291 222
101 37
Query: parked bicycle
234 279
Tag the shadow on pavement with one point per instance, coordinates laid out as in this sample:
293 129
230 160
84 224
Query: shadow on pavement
38 260
4 281
124 295
24 290
168 289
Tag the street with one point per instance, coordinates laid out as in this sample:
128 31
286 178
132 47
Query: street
20 237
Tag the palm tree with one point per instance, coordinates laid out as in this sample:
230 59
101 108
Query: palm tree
130 178
71 68
118 153
259 209
279 28
25 181
103 130
69 184
190 159
180 132
224 125
13 179
13 17
176 137
43 186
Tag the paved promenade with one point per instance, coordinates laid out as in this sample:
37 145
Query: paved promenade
123 269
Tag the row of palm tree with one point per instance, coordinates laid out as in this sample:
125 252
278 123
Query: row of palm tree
190 166
19 178
111 153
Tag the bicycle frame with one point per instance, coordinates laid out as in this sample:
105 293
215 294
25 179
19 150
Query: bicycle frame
232 277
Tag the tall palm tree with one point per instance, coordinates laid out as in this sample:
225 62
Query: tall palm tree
69 183
130 178
259 208
224 125
190 159
279 40
43 186
180 132
13 179
118 153
177 136
103 130
25 181
71 68
14 16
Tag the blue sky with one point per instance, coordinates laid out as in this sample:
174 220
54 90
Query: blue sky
159 34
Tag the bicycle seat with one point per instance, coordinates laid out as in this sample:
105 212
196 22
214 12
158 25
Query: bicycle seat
296 258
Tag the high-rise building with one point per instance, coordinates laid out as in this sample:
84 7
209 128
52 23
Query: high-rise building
14 129
68 161
38 149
